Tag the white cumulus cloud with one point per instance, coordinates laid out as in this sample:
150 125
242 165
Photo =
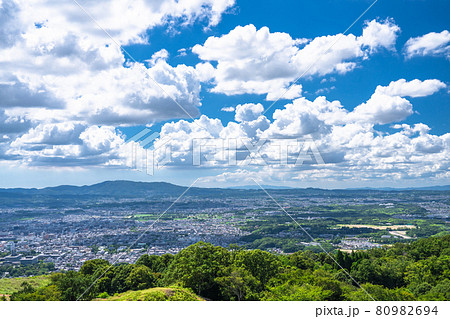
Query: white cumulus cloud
350 146
414 88
263 62
63 78
432 43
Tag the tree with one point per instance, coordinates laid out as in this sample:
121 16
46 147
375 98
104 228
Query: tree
261 264
197 266
287 292
380 293
119 278
330 286
103 277
237 283
430 270
89 267
47 293
439 292
73 285
386 271
153 262
141 277
27 288
157 264
303 260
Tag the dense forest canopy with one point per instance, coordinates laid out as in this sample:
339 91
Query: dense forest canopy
414 271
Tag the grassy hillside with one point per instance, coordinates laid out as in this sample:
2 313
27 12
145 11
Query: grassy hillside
156 294
10 285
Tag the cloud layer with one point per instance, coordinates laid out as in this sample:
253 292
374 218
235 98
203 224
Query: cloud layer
63 75
66 85
260 62
349 144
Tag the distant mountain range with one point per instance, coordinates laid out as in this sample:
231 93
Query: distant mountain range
130 188
114 188
258 187
428 188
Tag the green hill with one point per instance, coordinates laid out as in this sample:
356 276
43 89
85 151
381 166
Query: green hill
155 294
10 285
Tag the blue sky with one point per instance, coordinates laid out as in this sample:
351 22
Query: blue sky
376 104
317 18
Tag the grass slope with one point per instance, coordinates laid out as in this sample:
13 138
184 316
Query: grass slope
156 294
10 285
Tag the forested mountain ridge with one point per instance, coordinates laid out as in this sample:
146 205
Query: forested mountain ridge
415 271
132 188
